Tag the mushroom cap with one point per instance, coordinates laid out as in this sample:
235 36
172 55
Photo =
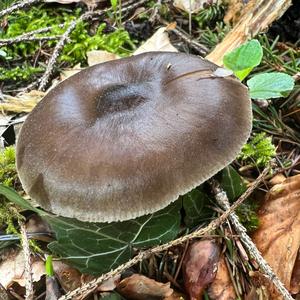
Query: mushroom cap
127 137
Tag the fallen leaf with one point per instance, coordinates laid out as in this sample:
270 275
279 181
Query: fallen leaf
99 56
139 287
68 72
278 237
38 228
222 288
193 6
22 103
159 41
295 281
12 269
200 267
277 179
68 277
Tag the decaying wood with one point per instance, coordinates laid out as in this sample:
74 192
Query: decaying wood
257 15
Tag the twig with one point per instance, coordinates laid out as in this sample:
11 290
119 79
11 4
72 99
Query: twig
222 199
28 271
20 39
64 38
147 253
187 39
17 6
44 80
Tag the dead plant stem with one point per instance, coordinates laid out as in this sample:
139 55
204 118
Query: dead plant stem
17 6
222 199
28 270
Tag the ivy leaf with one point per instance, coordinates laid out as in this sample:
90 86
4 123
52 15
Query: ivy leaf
195 204
244 58
232 183
96 248
270 85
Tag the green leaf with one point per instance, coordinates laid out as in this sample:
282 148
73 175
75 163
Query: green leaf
14 197
244 58
195 205
270 85
232 183
98 247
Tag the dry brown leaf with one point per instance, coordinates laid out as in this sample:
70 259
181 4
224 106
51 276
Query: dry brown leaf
12 269
278 237
277 179
139 287
22 103
200 267
159 41
68 72
193 6
222 288
295 282
68 277
99 56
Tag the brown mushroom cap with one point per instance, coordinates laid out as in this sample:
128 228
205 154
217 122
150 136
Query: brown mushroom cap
125 138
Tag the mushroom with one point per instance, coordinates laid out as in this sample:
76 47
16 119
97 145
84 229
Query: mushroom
125 138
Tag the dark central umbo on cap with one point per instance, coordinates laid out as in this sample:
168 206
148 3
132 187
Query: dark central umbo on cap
125 138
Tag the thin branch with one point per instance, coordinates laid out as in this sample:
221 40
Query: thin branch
28 271
29 34
201 49
59 46
19 39
19 5
147 253
64 38
222 199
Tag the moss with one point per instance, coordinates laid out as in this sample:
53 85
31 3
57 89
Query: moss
8 172
259 151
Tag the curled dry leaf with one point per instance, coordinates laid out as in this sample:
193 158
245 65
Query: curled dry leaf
159 41
200 267
277 179
295 282
222 288
278 237
22 103
139 287
13 267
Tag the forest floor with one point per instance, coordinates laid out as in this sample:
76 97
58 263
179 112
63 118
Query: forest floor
198 247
